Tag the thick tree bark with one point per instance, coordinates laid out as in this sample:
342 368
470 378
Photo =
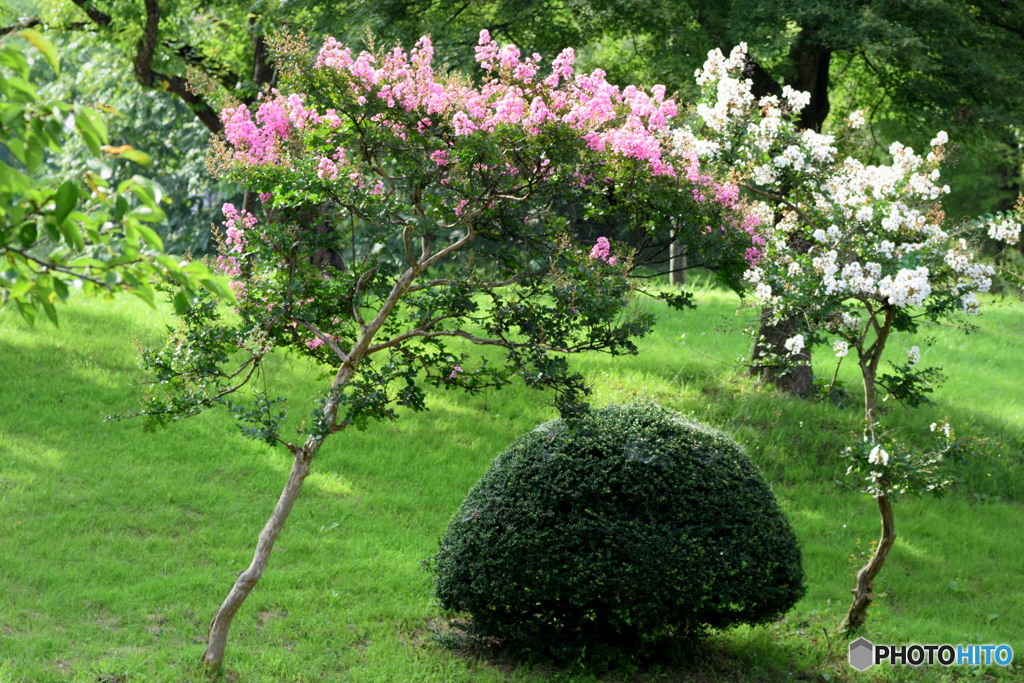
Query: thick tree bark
811 63
793 379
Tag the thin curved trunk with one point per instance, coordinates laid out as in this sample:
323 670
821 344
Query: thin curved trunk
216 643
863 592
247 580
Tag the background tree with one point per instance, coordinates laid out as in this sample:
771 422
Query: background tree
858 252
79 228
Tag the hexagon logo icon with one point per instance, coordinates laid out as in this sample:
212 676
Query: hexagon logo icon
862 654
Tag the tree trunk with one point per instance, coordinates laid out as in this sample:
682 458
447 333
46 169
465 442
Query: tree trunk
676 262
797 380
863 592
213 657
811 62
218 638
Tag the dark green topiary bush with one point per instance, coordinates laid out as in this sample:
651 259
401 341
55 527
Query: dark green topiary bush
625 526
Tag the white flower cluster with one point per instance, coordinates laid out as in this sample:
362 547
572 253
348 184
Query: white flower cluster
733 95
835 229
910 287
1005 231
913 356
795 344
960 260
878 456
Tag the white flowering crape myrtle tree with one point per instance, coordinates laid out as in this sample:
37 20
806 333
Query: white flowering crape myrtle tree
453 205
855 251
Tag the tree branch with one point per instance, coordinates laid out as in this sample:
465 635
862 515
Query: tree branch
324 338
101 19
176 85
21 25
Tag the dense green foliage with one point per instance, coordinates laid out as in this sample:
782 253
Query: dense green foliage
80 227
619 527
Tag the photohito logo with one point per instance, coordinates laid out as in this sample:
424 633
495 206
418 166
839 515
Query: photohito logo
864 654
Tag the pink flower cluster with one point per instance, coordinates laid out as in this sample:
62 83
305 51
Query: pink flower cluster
602 251
258 139
626 122
236 224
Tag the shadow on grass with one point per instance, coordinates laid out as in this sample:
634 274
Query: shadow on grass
747 654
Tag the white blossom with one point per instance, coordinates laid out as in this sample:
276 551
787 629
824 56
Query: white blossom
910 287
795 344
1005 231
850 321
841 348
878 456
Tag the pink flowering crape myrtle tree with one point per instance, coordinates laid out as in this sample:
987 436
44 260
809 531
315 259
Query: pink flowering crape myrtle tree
856 252
446 213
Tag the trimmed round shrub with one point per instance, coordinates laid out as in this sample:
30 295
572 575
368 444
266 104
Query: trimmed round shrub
624 526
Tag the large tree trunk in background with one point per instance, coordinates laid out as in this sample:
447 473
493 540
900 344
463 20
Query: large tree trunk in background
797 380
811 62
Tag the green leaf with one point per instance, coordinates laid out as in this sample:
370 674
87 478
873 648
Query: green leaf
48 308
15 60
20 288
152 239
137 156
91 128
66 197
61 289
182 303
145 292
17 148
21 85
120 208
28 234
72 235
40 42
33 154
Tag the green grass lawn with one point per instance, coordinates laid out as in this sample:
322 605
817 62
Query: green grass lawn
116 545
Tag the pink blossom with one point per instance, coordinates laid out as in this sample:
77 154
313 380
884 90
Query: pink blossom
440 157
602 251
326 169
456 371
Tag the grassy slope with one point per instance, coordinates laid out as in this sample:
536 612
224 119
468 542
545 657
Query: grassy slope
116 545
